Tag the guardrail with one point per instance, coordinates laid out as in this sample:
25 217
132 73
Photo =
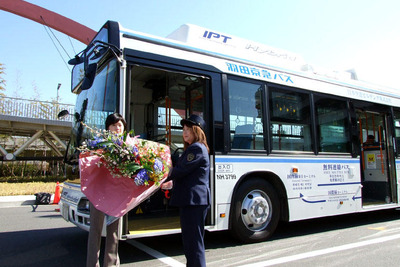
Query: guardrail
28 108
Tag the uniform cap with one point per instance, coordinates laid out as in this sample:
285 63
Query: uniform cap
194 120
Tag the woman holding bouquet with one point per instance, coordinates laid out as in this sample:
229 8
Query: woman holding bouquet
114 123
191 189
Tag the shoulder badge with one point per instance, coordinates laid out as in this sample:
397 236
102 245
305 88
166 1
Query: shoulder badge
190 157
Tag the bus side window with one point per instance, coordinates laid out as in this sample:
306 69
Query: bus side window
245 115
332 124
290 120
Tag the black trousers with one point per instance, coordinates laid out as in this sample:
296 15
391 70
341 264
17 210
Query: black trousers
192 224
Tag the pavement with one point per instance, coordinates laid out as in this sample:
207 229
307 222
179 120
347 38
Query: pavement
16 201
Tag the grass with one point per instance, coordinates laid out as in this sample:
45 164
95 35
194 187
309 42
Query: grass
29 188
18 185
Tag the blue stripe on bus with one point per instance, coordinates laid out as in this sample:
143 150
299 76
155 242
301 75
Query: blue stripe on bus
339 184
283 160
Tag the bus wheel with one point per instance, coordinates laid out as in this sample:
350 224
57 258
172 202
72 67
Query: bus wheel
256 211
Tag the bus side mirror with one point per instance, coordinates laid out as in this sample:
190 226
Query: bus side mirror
90 74
76 60
63 113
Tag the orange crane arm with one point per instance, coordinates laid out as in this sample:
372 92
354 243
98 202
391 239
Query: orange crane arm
49 18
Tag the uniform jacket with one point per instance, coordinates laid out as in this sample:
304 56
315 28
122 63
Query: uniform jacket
191 177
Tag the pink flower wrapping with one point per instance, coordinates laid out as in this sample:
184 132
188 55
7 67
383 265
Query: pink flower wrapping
117 196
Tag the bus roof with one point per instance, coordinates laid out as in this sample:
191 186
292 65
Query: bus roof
235 47
210 42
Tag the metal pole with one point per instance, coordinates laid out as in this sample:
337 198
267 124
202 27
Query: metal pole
58 101
58 89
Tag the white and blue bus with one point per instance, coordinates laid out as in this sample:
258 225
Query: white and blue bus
287 143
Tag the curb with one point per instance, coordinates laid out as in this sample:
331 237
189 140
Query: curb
23 200
17 201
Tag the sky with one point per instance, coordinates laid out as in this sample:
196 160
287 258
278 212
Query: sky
337 35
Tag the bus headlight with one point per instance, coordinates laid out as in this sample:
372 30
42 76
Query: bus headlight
83 206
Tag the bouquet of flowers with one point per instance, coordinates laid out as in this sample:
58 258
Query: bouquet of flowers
125 156
118 172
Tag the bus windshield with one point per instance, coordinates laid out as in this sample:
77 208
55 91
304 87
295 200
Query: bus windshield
94 105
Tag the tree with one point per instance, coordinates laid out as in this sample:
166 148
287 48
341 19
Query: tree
2 81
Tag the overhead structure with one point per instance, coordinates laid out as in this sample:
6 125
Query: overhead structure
49 18
54 134
25 121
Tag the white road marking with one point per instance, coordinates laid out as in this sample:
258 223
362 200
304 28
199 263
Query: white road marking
158 255
321 252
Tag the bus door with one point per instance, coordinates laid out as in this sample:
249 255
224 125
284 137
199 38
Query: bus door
158 100
377 158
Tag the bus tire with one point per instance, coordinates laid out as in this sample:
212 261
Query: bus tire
256 211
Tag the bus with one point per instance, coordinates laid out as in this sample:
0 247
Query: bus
288 142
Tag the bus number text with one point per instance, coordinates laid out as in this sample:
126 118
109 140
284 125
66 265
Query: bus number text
226 176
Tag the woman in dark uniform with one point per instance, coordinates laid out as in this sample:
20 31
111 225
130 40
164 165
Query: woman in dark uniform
191 191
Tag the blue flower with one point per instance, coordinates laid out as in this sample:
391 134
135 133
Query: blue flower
158 166
94 143
142 177
119 141
135 150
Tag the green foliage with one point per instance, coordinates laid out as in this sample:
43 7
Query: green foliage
23 171
45 179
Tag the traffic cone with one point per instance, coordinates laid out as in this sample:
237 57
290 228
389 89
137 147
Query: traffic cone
57 194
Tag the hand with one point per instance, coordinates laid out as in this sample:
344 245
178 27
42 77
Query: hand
167 185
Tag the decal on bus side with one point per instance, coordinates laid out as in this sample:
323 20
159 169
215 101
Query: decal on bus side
224 168
214 35
257 72
224 172
226 176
